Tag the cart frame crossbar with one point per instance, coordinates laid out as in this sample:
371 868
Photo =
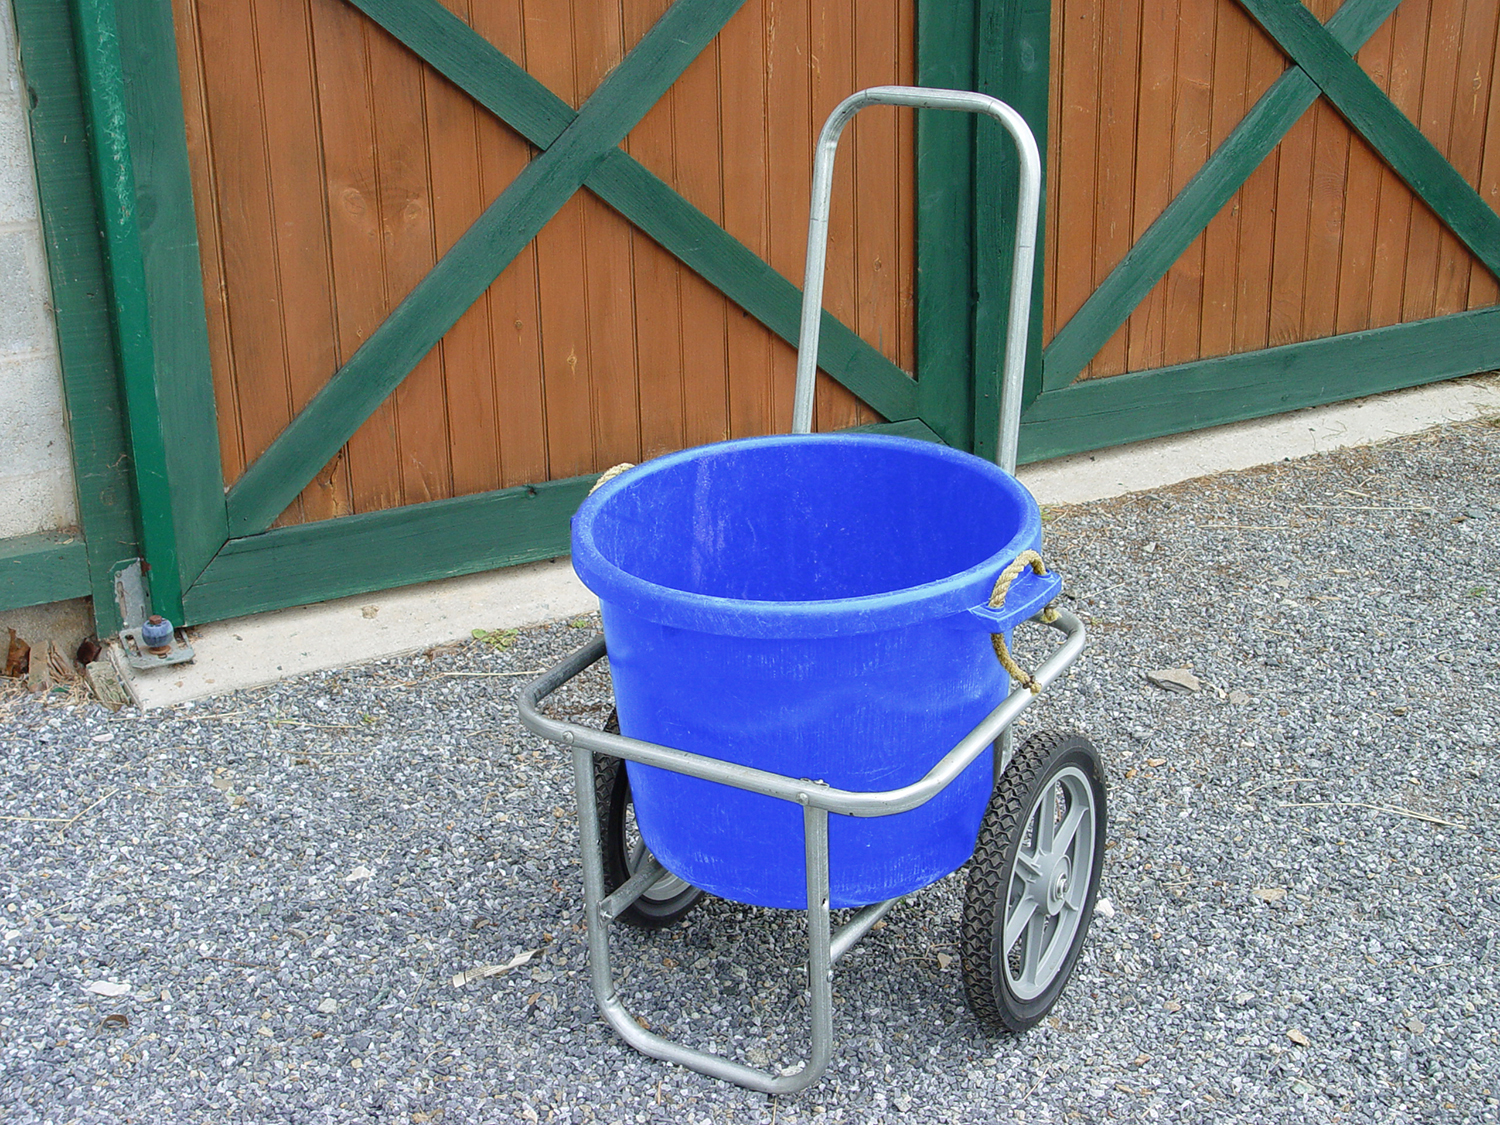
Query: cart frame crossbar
817 799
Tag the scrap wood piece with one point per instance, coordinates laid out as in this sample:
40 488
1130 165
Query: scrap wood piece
483 971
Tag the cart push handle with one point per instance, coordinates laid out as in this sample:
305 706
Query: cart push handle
1027 209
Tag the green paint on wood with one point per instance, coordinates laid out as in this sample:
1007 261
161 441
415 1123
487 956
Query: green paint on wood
1125 408
114 179
471 265
913 428
1205 195
1392 134
945 224
749 281
498 84
80 297
36 569
1013 65
417 543
167 240
483 72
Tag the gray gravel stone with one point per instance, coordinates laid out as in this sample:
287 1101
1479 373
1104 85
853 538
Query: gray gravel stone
359 837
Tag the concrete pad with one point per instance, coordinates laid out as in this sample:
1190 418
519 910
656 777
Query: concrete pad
252 651
1243 445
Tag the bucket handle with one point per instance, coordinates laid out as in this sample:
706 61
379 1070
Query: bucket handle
1024 589
1027 209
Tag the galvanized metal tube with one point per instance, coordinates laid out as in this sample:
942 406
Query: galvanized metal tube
633 888
819 943
1023 263
858 926
591 854
803 792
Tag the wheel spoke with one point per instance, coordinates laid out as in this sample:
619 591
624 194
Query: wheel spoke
1032 947
1017 920
1069 828
1027 867
1046 821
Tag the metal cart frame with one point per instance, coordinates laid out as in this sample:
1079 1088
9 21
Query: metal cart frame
817 799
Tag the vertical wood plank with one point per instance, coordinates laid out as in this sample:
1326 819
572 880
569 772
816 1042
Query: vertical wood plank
705 311
1191 126
210 237
237 125
1257 200
405 191
1475 71
1153 166
1325 228
877 187
607 266
1119 91
1408 50
656 276
1221 239
1483 288
566 363
457 199
1424 246
1077 136
906 196
347 126
789 125
1361 223
831 47
300 238
745 162
513 304
1052 215
1293 201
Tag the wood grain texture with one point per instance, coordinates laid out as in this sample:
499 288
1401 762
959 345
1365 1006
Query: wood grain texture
543 376
1260 215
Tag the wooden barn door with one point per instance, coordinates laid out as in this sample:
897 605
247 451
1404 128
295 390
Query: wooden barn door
1257 206
458 257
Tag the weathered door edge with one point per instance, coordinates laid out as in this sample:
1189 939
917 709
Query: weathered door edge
79 282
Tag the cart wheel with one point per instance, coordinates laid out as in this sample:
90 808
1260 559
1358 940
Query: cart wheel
1033 880
624 850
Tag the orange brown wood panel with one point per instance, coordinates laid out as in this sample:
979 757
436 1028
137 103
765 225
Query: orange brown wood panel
332 168
1322 239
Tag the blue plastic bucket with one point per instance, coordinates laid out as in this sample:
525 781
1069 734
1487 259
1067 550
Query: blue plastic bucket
813 606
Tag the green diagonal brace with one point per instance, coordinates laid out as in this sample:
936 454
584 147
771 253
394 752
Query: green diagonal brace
482 71
1185 218
463 274
1389 131
495 82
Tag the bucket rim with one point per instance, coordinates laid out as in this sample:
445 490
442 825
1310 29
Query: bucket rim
928 602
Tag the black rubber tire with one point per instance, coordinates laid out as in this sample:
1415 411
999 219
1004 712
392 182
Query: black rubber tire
612 795
1040 762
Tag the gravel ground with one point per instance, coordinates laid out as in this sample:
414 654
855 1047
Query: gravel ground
1303 867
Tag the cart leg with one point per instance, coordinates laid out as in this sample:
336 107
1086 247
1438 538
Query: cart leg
601 973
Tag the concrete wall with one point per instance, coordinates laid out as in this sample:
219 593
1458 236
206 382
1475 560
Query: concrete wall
36 470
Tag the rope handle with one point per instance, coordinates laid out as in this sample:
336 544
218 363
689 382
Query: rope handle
997 601
609 474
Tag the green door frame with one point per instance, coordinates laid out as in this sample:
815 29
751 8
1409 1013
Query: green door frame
209 554
133 328
1070 416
